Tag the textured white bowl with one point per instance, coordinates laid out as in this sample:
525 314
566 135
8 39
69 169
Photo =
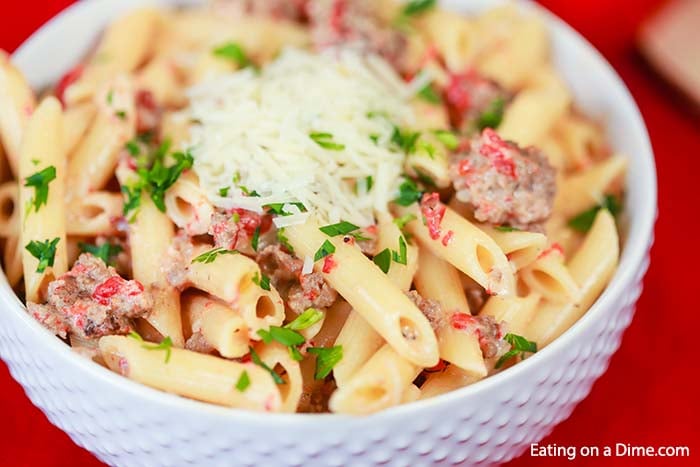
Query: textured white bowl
124 423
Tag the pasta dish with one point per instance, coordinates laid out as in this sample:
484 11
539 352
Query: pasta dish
307 205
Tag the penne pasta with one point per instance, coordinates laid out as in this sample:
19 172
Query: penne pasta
467 248
220 326
191 374
95 214
372 295
17 103
591 267
43 151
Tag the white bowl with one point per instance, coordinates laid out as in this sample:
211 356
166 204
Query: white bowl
125 423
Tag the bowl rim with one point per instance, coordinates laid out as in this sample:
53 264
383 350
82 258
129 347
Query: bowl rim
632 258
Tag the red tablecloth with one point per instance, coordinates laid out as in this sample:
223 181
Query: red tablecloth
648 395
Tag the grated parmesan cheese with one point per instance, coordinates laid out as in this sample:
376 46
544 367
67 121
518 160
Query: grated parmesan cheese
253 134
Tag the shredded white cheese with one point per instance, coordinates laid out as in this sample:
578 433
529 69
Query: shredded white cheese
254 133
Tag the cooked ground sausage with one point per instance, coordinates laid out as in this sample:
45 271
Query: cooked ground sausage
354 23
92 300
468 96
489 332
504 183
430 308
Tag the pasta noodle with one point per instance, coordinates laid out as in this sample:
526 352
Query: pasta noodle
242 203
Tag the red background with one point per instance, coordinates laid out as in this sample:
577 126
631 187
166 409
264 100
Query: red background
647 397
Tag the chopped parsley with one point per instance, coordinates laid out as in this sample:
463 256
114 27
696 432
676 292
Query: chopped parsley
326 359
105 252
233 52
256 359
403 220
211 255
402 256
341 228
278 208
405 139
429 94
156 180
408 193
165 345
243 382
305 320
369 182
584 221
506 228
383 260
417 7
256 238
282 238
248 192
326 249
448 138
262 281
492 116
44 251
40 182
223 192
133 147
285 336
132 202
121 114
519 345
325 140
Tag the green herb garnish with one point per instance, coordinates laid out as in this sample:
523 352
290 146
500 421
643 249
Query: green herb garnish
105 252
243 381
429 94
341 228
305 320
285 336
448 138
408 193
584 221
519 345
262 281
325 140
211 255
40 182
326 359
493 115
166 345
403 220
233 52
506 228
383 260
256 359
326 249
256 238
44 251
402 256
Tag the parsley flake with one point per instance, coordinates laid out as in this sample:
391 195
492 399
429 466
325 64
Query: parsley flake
234 52
584 221
211 255
325 140
417 7
326 359
105 252
493 115
403 220
284 336
408 193
506 228
262 281
326 249
429 94
243 382
256 238
305 320
341 228
282 238
256 359
223 192
402 256
44 251
405 139
383 260
165 345
448 138
519 345
40 182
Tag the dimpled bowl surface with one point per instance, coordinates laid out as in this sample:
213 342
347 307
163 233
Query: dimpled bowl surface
124 423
